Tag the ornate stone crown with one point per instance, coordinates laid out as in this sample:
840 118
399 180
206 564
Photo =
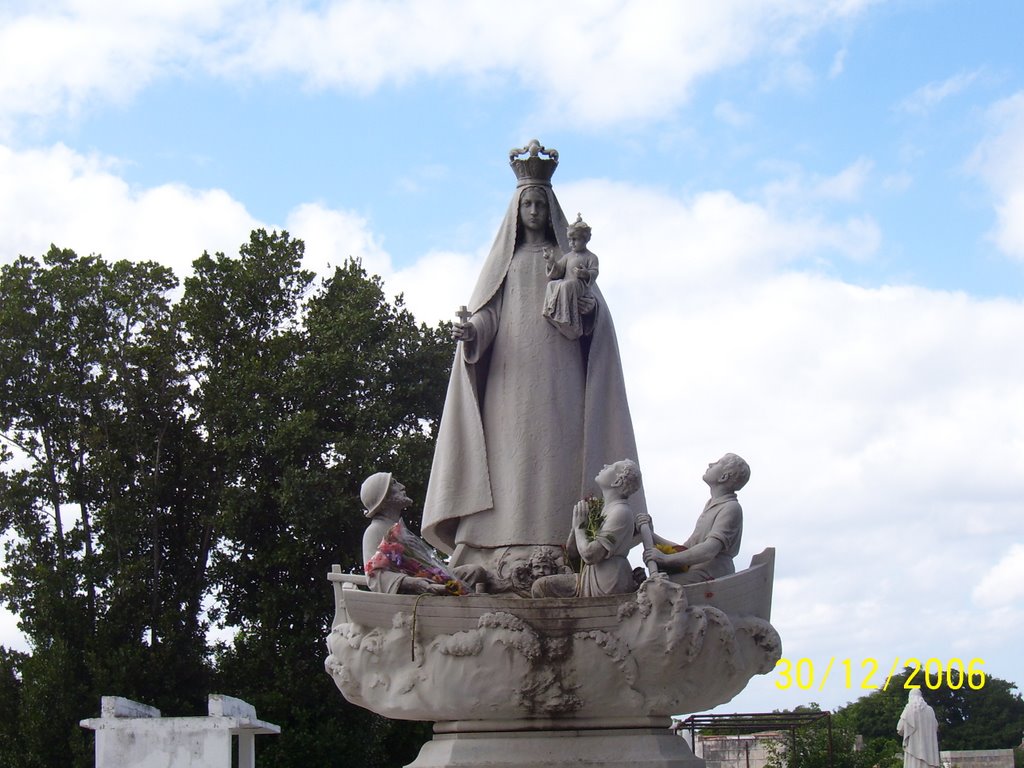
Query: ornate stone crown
533 170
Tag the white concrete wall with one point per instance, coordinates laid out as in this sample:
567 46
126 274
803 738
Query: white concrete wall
133 735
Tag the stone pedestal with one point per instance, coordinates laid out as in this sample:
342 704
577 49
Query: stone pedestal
612 743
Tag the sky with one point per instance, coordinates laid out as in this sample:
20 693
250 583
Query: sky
809 215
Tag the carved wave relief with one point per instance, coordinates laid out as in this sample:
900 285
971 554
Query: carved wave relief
652 653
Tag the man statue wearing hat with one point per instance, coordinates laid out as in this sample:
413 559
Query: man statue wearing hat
385 499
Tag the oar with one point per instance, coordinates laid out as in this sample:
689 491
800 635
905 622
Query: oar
647 537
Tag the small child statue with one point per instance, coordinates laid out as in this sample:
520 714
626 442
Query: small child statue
571 278
715 541
602 540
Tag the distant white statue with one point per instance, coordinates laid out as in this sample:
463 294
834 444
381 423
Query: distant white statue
919 730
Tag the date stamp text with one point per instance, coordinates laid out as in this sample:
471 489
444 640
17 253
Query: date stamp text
931 673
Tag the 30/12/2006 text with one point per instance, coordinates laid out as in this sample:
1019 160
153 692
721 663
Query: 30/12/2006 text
931 673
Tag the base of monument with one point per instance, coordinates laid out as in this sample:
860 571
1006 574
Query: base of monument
588 744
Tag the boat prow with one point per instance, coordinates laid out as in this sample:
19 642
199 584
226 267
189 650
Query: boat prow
744 593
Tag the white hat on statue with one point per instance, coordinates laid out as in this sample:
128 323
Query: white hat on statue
374 491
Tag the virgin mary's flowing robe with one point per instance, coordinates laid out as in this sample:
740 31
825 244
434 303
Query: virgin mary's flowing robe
530 416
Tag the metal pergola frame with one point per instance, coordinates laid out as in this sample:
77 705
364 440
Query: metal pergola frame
756 722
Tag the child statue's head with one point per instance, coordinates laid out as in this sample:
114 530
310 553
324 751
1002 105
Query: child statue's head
730 472
578 233
622 475
543 562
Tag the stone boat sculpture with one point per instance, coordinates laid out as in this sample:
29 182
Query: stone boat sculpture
665 649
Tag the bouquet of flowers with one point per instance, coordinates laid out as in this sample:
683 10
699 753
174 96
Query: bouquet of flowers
402 551
595 516
669 549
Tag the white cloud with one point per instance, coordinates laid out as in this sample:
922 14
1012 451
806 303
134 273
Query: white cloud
838 63
438 283
732 115
641 60
898 182
58 57
798 189
927 97
789 75
333 236
848 183
58 196
1003 583
711 237
432 287
999 161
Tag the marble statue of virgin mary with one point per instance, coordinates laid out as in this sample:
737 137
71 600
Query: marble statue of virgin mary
530 416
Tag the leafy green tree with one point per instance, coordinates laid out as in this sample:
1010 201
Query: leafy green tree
345 386
11 746
158 457
90 405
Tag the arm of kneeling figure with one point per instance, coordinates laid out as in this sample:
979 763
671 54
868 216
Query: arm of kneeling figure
618 526
590 551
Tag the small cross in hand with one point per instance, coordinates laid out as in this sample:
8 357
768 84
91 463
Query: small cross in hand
463 314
